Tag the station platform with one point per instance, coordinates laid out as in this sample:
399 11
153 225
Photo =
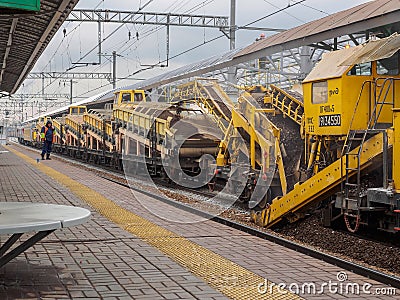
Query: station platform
132 251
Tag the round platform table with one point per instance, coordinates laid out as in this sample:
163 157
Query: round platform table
17 218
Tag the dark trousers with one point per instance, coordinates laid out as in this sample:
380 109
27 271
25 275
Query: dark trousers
46 148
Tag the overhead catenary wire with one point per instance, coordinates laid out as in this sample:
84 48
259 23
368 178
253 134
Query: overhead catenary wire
118 28
194 47
316 9
125 46
289 14
274 13
61 43
109 35
96 46
153 30
155 65
140 8
206 42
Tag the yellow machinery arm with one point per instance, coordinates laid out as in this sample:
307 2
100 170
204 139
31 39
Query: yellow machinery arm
261 131
212 100
323 183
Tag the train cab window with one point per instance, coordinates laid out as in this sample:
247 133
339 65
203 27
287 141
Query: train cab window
363 69
138 97
319 92
126 97
74 111
388 66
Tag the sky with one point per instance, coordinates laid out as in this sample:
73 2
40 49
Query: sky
150 49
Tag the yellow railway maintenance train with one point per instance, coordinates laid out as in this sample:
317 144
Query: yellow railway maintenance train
351 130
335 146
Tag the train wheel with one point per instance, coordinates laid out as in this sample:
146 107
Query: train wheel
266 201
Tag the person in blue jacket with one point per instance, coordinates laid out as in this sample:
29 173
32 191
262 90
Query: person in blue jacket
47 136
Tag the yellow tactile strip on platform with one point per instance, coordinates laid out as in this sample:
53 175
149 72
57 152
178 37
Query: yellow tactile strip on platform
222 274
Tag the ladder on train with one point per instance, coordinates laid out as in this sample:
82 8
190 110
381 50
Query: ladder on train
290 104
352 190
210 98
152 134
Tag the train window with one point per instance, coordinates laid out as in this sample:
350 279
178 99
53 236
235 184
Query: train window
74 110
363 69
319 92
388 66
138 97
126 97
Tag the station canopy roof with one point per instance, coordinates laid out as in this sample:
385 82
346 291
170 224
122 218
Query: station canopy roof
24 36
377 16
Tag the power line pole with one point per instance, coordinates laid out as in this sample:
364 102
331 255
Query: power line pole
114 73
232 44
99 35
232 27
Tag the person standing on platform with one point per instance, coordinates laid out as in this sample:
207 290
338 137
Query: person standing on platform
47 136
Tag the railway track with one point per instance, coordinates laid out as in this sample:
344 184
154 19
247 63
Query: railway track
350 266
117 177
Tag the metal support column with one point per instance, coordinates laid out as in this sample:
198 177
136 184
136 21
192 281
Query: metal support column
306 64
167 45
43 85
70 91
385 160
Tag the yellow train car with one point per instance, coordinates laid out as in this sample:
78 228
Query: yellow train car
124 102
73 126
98 129
30 134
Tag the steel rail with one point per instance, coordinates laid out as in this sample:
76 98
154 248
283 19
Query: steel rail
381 277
